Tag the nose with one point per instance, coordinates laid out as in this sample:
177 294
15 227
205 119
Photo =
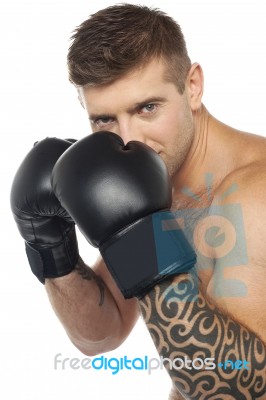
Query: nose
128 131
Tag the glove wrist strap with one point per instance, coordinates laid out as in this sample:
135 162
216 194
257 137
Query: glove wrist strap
53 261
146 252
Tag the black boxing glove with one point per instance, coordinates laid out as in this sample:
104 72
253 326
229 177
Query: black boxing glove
47 229
119 196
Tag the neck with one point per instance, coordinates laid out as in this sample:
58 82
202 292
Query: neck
207 163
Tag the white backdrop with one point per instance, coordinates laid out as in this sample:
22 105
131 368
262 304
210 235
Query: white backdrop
227 37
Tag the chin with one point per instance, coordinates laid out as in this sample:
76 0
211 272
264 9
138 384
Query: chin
171 166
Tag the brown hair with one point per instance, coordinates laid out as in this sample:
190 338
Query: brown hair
119 38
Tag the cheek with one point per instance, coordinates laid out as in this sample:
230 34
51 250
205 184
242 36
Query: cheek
163 128
167 128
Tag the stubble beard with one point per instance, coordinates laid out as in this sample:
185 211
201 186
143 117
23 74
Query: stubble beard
181 148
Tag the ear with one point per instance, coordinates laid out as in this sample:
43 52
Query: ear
195 85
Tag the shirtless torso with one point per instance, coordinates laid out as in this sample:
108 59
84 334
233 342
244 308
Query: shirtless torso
238 288
232 273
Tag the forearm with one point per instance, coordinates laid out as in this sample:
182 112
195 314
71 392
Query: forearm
86 309
183 324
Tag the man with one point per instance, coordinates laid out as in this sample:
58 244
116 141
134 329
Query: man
134 78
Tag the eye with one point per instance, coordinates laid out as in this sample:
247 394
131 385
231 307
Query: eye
148 108
102 122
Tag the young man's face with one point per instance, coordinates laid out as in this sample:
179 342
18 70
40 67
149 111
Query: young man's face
143 106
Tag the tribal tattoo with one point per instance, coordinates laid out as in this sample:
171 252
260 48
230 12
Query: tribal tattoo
185 325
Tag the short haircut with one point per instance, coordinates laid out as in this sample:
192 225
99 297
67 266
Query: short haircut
118 39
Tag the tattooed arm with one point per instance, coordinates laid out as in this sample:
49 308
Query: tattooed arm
185 325
92 310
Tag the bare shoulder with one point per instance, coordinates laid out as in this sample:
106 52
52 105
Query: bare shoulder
250 164
246 184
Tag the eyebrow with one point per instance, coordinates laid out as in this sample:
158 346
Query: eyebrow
130 110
